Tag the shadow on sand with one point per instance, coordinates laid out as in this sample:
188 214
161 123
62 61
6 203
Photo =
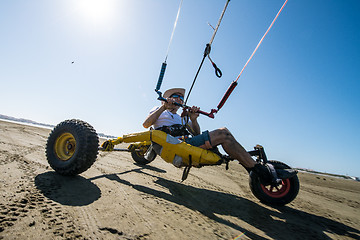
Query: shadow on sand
278 223
73 190
67 190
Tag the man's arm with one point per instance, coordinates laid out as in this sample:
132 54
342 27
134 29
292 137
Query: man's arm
153 117
195 127
193 114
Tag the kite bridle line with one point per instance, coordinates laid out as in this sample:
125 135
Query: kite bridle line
164 64
206 53
234 83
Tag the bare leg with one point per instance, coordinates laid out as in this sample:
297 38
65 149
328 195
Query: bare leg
224 138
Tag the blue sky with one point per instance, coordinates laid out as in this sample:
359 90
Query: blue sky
299 96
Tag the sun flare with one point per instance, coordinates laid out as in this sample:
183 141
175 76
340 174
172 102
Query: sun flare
96 12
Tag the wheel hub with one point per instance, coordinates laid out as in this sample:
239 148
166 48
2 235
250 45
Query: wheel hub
279 190
69 146
65 146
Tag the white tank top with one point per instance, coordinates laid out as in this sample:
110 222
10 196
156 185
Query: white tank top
166 118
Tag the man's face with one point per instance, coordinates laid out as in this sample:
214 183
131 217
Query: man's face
178 97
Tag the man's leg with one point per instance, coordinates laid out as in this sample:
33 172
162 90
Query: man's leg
224 138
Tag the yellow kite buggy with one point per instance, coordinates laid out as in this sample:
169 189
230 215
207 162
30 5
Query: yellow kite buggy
73 145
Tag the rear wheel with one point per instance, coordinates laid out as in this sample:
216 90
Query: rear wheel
280 194
139 155
72 147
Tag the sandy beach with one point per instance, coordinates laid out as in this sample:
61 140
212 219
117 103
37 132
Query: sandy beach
117 199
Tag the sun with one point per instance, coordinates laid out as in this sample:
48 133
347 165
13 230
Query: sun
96 12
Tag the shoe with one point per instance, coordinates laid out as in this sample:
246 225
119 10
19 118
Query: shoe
269 175
263 173
286 173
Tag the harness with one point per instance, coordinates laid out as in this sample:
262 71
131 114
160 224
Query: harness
175 130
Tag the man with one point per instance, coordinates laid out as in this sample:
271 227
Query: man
165 117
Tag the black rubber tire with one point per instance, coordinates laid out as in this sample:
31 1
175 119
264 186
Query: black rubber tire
83 154
286 192
138 157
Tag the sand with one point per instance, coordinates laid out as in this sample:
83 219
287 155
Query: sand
116 199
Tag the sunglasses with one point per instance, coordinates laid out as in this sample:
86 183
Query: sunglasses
177 96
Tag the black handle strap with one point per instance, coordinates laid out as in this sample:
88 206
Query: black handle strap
218 72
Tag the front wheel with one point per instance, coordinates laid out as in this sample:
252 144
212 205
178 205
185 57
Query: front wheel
72 147
280 194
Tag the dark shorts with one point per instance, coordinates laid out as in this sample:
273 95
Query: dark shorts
201 140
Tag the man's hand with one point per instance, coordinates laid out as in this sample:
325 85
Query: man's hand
193 113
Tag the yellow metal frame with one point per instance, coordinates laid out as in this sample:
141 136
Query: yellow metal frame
199 156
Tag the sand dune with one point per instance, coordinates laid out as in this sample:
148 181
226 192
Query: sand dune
116 199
